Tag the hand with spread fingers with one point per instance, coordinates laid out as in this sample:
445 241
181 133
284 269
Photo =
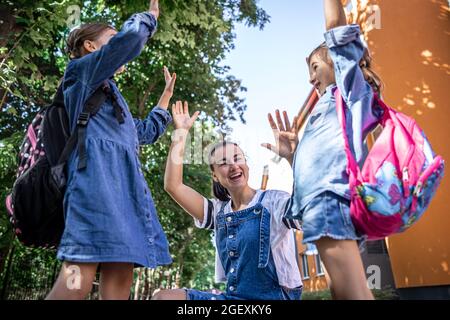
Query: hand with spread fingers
180 115
286 138
168 89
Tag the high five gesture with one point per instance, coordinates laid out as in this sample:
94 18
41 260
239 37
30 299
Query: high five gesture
285 135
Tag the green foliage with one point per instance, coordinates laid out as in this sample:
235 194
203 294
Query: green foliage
387 293
316 295
193 38
8 165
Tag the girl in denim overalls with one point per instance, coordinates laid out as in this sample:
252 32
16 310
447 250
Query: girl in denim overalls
256 254
110 216
321 198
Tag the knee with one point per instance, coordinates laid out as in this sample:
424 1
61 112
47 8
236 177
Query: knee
62 292
161 295
80 294
170 295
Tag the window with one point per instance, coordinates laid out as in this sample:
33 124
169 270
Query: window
305 266
319 266
376 247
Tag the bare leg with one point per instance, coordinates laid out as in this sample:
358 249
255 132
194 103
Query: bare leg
74 281
344 265
115 281
330 284
175 294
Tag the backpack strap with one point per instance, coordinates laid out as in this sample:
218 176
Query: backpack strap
90 109
261 197
118 111
58 99
353 169
78 136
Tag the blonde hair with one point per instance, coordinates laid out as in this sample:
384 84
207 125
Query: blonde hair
365 64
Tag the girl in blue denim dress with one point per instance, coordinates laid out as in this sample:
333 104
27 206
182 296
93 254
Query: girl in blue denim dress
321 197
255 245
110 218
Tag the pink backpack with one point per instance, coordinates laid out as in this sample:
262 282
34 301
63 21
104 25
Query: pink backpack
399 176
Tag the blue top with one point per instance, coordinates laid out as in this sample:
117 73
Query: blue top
110 214
320 162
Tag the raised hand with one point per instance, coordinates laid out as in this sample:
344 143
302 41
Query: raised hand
168 89
154 8
180 115
286 139
170 81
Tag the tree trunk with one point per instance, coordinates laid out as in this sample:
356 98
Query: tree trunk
136 285
143 100
8 27
145 292
188 238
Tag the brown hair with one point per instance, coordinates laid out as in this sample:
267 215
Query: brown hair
77 37
219 191
365 64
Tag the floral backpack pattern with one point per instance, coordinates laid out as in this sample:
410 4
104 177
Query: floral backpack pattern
398 178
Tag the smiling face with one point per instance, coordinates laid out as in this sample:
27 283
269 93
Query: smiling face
229 167
321 70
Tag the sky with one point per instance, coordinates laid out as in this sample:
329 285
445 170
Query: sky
271 64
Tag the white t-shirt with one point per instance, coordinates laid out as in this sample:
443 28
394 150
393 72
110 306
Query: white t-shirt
282 237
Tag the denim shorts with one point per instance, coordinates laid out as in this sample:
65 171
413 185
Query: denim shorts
328 215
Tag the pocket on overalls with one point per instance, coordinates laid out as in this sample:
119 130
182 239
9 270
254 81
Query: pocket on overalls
292 294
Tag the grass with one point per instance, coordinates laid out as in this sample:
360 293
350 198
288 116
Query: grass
383 294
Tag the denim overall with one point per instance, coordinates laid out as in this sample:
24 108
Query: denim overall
243 245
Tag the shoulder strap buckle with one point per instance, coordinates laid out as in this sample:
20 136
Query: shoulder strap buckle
83 119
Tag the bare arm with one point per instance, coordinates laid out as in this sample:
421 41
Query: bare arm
167 94
154 8
189 199
334 14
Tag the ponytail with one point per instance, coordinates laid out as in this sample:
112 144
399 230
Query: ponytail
369 75
220 192
77 37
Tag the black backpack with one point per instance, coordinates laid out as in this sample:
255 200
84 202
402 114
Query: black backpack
35 204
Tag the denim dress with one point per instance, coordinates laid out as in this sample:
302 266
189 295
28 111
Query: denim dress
109 212
321 196
243 244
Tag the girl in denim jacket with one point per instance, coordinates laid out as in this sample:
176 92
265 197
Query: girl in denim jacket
321 197
111 221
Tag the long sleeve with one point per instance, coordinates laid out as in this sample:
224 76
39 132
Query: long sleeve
153 126
126 45
346 50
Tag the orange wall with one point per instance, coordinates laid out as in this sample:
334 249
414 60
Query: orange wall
411 52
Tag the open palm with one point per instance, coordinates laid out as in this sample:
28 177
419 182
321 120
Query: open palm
154 8
286 139
180 115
